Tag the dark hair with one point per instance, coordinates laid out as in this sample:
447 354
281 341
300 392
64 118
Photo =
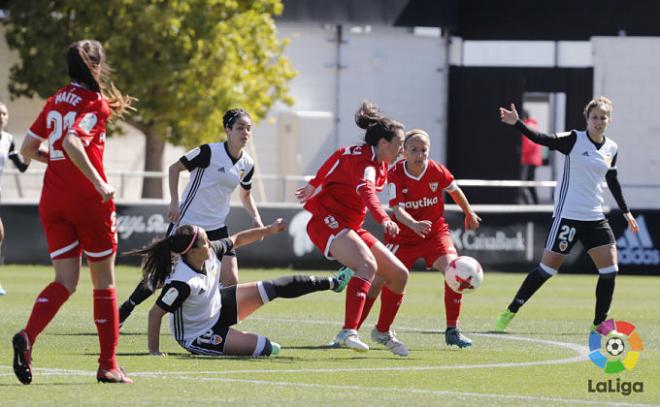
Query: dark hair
231 116
376 124
157 258
82 57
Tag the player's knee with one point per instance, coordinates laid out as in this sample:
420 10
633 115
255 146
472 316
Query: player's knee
547 270
367 268
609 271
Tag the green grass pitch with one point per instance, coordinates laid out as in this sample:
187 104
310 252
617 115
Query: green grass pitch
541 362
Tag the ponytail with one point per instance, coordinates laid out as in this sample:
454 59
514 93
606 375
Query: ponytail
377 125
158 257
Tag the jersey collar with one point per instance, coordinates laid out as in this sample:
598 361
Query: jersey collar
233 160
409 175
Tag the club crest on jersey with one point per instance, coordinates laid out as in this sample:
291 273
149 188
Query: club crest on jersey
241 173
433 186
331 222
563 245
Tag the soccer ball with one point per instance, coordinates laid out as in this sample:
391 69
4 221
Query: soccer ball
464 275
615 346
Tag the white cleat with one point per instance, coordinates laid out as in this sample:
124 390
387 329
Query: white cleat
349 338
390 341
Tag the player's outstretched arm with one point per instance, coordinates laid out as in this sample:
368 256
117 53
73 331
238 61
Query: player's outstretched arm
248 236
153 332
471 218
509 117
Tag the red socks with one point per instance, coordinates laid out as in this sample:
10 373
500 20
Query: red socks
45 307
356 296
452 306
106 318
389 306
368 304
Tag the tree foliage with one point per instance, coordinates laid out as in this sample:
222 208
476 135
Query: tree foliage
186 61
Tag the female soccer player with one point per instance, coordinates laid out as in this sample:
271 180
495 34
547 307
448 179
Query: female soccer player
201 311
416 187
8 151
590 158
216 170
76 208
349 180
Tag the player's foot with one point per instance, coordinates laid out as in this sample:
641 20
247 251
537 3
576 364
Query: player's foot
275 348
343 276
349 338
22 357
390 341
453 336
2 291
112 376
503 320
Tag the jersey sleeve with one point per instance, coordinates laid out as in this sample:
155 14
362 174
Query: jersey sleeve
394 189
446 178
613 184
198 157
222 246
366 189
86 120
173 295
246 182
39 128
328 166
562 142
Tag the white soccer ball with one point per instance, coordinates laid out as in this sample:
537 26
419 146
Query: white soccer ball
464 275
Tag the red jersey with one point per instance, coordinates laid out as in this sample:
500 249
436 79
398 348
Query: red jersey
73 109
347 177
420 196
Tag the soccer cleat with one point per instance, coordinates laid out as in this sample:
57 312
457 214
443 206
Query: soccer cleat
112 376
22 357
390 341
503 320
2 291
275 348
348 338
453 336
342 276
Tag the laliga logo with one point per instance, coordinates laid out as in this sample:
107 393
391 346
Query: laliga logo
615 346
622 346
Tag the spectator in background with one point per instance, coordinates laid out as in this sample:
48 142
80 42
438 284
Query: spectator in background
531 156
8 151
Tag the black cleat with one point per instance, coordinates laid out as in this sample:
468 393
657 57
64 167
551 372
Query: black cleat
22 357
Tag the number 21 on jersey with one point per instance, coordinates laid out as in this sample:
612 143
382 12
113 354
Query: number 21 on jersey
59 126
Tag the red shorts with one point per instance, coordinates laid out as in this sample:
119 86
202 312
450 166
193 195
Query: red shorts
430 249
72 229
322 230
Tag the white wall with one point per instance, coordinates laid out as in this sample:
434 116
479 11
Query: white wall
626 69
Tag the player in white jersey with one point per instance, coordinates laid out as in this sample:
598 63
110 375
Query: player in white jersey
8 151
589 158
216 170
201 310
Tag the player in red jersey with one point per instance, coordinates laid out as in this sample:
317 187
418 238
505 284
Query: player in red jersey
350 179
76 209
416 188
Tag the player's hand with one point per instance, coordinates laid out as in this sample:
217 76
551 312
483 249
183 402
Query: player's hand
472 221
390 227
278 226
509 116
173 212
422 228
632 223
106 191
303 194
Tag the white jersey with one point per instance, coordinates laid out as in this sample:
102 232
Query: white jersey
6 148
579 192
214 176
192 297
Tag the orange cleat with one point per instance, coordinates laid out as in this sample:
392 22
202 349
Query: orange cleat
112 376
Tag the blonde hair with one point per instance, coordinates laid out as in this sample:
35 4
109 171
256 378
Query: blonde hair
417 133
600 102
